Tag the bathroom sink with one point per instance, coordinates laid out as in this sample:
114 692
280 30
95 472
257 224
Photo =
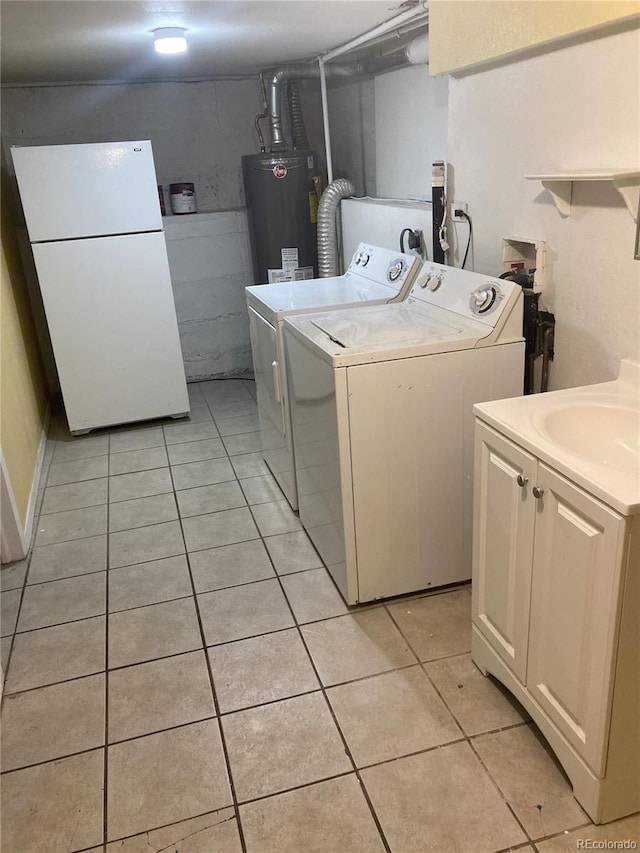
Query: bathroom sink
604 433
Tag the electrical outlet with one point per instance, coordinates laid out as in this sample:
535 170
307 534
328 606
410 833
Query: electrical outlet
459 205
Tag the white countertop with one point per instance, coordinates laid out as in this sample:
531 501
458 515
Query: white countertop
613 478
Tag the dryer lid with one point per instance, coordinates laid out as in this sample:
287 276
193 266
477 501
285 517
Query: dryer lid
297 296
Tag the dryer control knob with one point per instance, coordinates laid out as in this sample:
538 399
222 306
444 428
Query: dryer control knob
395 270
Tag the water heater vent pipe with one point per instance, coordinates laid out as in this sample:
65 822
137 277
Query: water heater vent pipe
416 52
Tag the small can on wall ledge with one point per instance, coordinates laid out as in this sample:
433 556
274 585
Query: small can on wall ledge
183 198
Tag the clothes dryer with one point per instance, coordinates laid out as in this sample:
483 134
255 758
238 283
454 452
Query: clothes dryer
375 275
381 410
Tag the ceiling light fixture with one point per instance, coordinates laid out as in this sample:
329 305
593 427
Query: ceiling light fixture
170 40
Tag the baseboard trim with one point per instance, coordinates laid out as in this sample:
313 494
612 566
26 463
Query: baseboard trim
37 477
15 540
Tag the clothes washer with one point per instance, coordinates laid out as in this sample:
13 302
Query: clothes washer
381 408
375 275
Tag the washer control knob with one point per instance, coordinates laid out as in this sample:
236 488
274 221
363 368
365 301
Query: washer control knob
434 282
395 270
364 259
485 298
423 280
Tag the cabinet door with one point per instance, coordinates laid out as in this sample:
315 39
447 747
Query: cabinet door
574 604
503 522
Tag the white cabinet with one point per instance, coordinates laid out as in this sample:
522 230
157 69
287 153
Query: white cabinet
572 625
502 545
556 611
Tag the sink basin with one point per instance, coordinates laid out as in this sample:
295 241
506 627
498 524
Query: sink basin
603 433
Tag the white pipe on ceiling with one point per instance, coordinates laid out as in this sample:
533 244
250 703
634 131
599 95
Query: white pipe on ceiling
419 11
325 121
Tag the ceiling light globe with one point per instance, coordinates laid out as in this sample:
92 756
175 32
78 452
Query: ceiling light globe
169 40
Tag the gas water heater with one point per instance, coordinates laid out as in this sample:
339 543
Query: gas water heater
282 202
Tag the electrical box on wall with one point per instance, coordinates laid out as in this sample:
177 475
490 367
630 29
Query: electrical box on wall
528 256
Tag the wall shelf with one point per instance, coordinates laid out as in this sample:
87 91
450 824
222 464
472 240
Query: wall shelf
560 185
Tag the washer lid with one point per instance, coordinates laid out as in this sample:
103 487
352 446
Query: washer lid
400 323
304 296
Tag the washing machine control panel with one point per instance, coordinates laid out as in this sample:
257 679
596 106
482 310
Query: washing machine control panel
431 278
470 294
485 298
396 268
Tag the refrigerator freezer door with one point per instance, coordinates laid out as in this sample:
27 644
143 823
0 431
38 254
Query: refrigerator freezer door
112 320
71 191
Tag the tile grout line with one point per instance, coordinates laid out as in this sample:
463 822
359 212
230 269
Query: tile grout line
180 598
212 646
123 838
500 791
221 714
89 749
563 832
298 628
329 707
105 793
420 663
234 799
467 738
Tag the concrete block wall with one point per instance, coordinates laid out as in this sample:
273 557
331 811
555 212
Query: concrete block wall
210 263
199 132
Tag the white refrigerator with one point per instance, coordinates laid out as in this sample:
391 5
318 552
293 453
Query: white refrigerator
95 228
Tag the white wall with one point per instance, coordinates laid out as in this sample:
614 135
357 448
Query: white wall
352 123
381 222
387 130
411 130
572 108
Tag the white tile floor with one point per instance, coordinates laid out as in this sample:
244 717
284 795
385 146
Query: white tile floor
183 675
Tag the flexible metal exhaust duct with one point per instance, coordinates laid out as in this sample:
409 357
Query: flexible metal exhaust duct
327 239
293 72
414 53
296 119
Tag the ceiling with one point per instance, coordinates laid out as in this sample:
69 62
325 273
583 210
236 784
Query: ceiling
56 41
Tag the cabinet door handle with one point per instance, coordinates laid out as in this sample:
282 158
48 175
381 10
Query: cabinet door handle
522 481
537 492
